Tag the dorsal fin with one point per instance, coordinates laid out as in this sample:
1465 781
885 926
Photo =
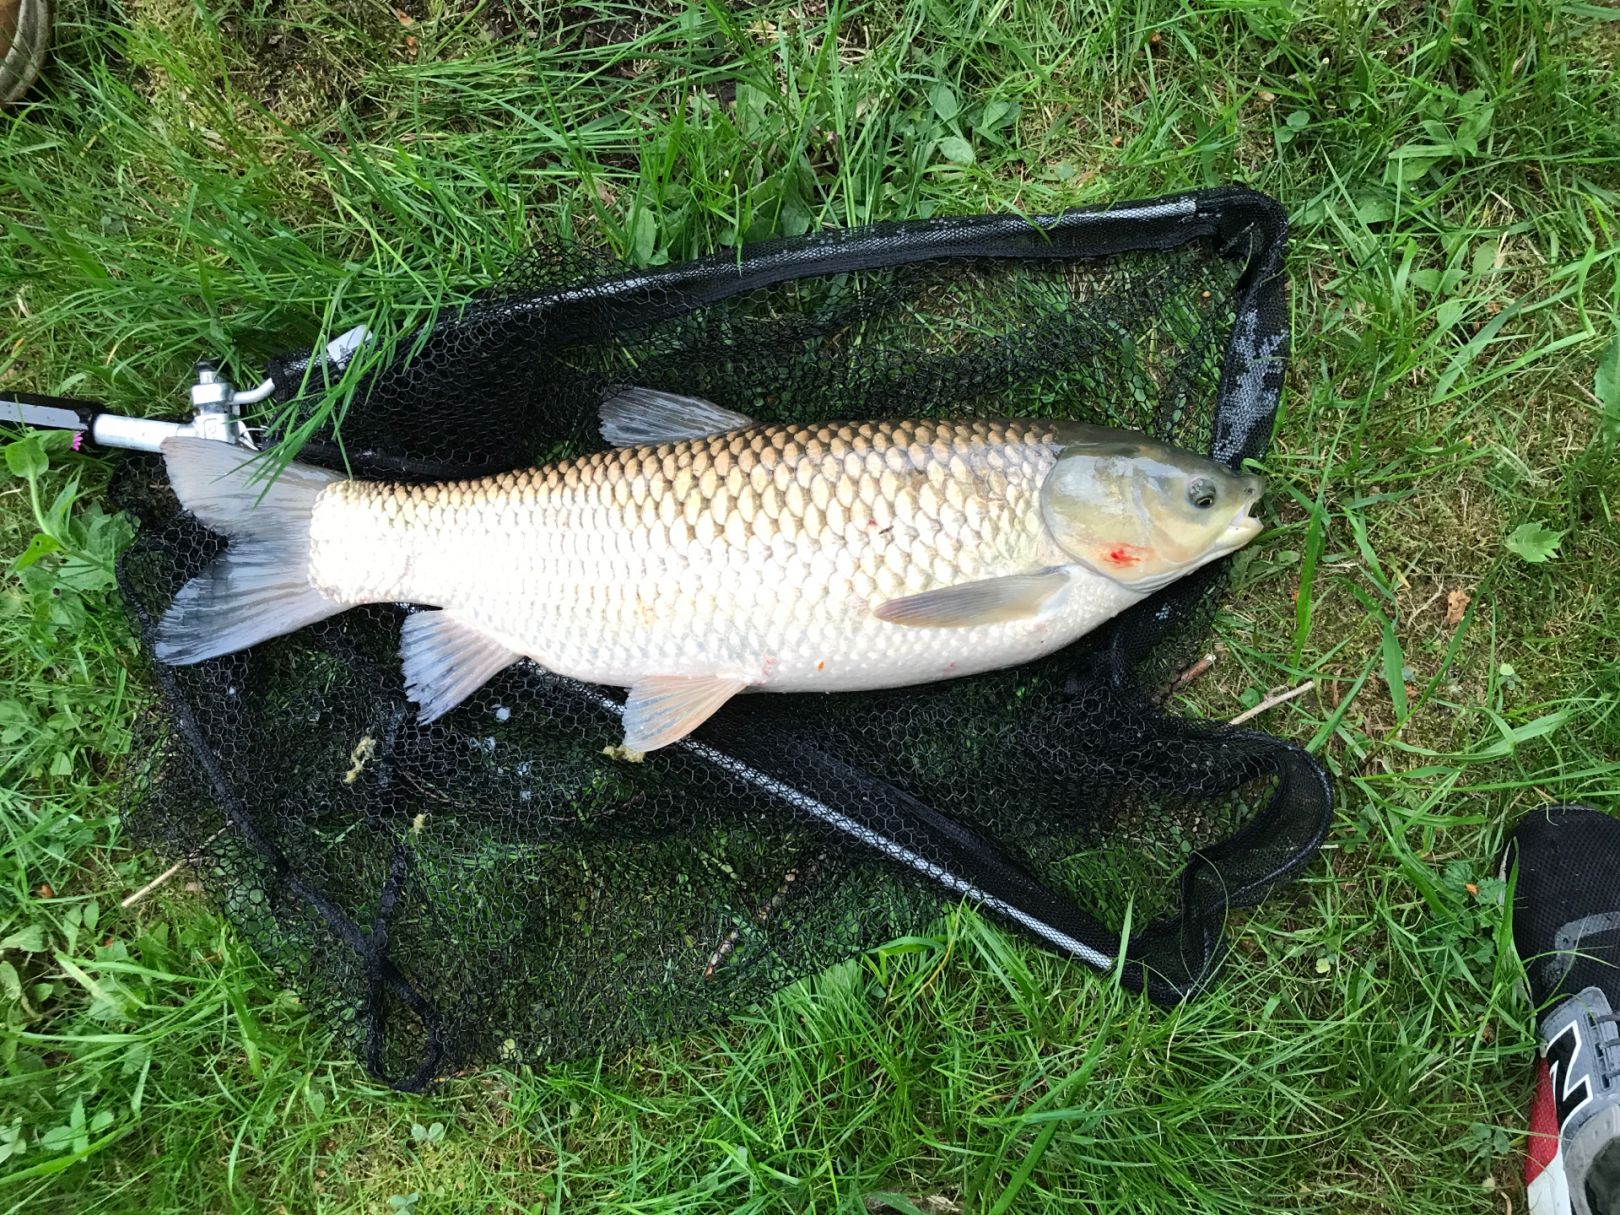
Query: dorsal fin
642 416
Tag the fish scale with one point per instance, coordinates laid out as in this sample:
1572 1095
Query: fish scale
757 554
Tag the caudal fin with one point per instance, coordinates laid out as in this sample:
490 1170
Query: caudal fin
259 588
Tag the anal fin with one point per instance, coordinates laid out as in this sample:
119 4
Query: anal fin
662 709
991 601
446 660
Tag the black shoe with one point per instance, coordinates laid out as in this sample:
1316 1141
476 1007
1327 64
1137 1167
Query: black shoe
1566 926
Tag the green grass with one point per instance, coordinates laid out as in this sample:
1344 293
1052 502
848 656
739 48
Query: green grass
233 180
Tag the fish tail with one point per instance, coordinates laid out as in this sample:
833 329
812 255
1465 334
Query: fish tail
259 587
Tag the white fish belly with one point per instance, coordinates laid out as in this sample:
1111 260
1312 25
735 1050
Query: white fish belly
778 634
873 653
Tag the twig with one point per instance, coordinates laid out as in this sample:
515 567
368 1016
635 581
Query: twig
1193 672
1271 702
1433 599
170 871
764 913
423 789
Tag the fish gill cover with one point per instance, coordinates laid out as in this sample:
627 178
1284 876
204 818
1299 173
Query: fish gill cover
499 886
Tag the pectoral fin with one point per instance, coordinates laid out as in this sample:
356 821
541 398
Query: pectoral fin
993 601
447 660
640 416
662 709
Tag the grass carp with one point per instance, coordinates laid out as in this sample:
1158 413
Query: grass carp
705 555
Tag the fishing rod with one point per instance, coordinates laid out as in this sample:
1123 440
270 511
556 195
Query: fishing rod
216 408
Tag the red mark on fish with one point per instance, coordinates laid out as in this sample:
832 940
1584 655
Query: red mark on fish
1125 554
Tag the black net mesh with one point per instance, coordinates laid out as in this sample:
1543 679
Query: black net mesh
493 886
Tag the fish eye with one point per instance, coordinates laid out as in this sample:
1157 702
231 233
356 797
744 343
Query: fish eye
1201 493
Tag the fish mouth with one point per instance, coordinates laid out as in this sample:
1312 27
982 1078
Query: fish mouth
1244 526
1242 529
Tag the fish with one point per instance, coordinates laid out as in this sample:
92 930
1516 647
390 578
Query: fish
702 554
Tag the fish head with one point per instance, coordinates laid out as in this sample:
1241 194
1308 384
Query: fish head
1142 512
